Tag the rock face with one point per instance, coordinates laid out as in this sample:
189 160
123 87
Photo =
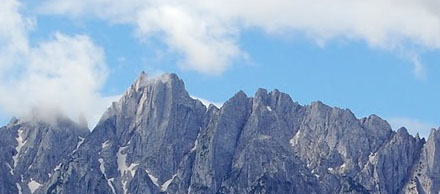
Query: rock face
157 139
425 176
32 150
138 144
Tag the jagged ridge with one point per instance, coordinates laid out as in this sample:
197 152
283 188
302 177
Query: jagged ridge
157 139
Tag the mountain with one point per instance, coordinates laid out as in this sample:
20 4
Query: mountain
32 149
157 139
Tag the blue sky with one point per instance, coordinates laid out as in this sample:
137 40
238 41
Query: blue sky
375 67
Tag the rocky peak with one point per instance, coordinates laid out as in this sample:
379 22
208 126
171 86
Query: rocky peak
261 94
403 132
425 175
387 169
141 81
157 139
280 99
163 90
434 134
167 81
418 136
377 130
432 147
261 99
143 137
170 79
13 121
240 95
274 101
319 110
36 146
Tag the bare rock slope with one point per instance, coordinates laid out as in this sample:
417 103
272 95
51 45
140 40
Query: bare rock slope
157 139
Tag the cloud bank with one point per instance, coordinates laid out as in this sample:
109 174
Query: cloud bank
206 32
62 74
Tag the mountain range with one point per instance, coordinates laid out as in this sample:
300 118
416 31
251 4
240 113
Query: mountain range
158 139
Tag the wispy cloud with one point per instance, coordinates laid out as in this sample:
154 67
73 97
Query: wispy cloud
419 68
64 73
414 126
208 102
206 32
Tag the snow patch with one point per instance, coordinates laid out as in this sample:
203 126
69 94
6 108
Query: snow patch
167 183
295 138
315 173
131 169
101 166
269 109
19 188
19 146
343 166
105 144
196 142
372 157
331 170
57 167
188 191
10 168
33 185
195 145
126 171
122 166
81 140
109 181
153 178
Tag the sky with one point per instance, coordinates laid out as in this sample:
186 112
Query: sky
76 57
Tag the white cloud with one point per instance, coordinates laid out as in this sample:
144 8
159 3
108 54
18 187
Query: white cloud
208 102
206 32
13 29
419 68
204 42
414 126
63 74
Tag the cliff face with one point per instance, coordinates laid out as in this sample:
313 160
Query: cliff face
32 150
138 144
425 177
157 139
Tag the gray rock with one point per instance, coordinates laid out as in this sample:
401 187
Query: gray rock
387 170
157 139
264 161
425 177
32 149
152 128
